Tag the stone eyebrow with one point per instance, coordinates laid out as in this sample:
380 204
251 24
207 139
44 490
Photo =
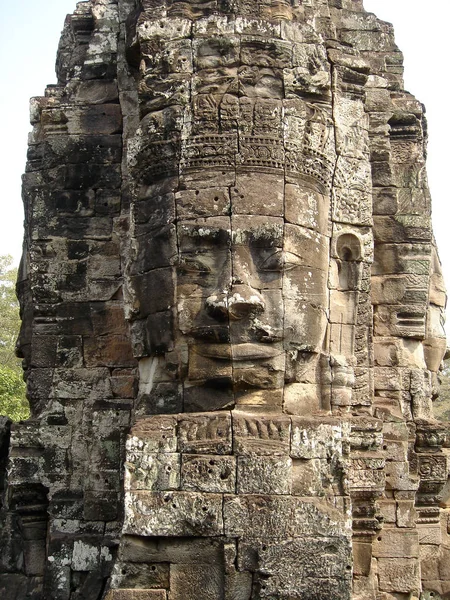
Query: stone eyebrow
256 235
207 233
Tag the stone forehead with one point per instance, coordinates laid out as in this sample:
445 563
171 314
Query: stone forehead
236 232
259 194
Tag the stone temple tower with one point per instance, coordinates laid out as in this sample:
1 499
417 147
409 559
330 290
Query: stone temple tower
232 313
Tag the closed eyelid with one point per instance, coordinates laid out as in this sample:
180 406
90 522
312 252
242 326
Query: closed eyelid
192 265
280 261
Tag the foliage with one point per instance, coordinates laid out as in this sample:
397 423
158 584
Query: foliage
9 312
442 404
12 394
12 388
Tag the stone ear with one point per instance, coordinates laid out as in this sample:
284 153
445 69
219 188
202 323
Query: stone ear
348 247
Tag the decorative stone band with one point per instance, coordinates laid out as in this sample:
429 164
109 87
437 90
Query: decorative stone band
155 160
306 160
213 151
262 152
269 9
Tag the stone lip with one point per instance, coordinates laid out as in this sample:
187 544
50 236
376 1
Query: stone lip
237 352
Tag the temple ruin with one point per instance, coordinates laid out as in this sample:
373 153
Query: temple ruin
232 310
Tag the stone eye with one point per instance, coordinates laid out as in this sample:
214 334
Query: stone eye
280 261
190 265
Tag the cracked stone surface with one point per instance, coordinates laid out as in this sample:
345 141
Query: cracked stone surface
233 314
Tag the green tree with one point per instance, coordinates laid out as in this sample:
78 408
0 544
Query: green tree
442 404
12 387
12 394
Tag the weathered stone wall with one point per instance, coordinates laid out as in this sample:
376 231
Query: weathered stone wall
232 314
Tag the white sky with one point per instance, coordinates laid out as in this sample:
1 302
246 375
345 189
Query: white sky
29 34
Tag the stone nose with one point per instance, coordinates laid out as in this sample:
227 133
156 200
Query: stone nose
237 303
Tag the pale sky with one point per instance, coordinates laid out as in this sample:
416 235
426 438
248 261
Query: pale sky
29 34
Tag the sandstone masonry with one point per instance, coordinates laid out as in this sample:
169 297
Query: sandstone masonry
232 314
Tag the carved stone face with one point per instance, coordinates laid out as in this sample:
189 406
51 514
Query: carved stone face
231 238
250 296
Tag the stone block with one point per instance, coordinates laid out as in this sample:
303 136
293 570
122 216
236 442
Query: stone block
260 402
86 383
136 594
57 583
108 351
34 555
261 435
264 474
86 556
13 584
196 581
406 514
97 92
173 514
205 398
165 398
264 374
385 201
396 451
153 472
303 398
205 433
362 558
401 228
123 383
156 251
247 194
401 575
311 439
43 350
248 516
154 434
366 479
386 379
204 202
434 590
202 368
176 550
306 207
433 467
430 557
153 211
213 473
307 477
290 561
100 481
396 543
142 575
444 565
398 477
402 258
430 534
388 509
154 291
396 431
101 506
238 585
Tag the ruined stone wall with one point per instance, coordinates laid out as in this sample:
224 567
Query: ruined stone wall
232 314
